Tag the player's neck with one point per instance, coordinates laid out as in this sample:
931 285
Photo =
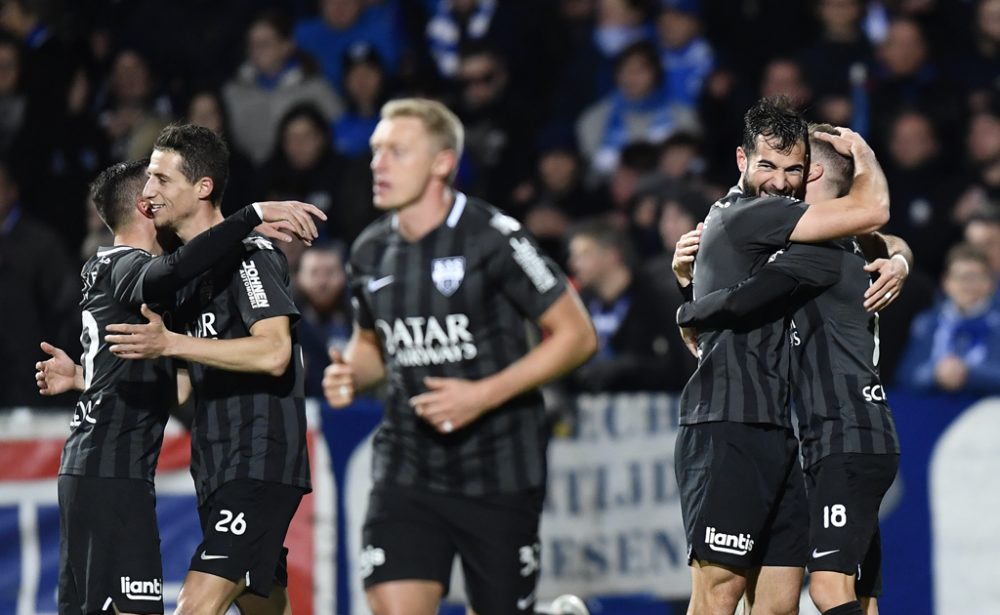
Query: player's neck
423 216
203 219
612 287
136 238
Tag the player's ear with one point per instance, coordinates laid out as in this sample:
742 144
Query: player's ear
204 187
145 208
741 159
815 172
445 162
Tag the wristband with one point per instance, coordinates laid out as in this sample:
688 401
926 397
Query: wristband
905 264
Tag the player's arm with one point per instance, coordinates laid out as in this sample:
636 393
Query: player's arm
360 367
863 210
728 308
765 294
164 275
267 350
452 403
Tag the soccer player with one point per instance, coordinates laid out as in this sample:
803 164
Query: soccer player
848 441
248 450
742 493
109 546
443 285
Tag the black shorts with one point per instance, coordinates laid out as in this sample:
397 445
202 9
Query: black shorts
742 494
109 546
845 491
415 534
244 523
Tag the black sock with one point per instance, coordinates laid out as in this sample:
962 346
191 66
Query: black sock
850 608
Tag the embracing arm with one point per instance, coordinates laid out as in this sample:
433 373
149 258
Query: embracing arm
164 275
267 350
863 210
727 308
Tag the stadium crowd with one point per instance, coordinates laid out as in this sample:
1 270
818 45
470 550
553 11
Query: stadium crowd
607 127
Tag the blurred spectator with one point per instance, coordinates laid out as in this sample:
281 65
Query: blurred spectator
746 33
980 68
274 79
639 349
323 303
905 77
783 76
636 167
455 23
577 71
840 45
676 212
343 23
983 157
922 192
621 24
955 347
499 127
206 108
12 99
305 167
39 300
637 109
365 88
130 110
982 231
686 54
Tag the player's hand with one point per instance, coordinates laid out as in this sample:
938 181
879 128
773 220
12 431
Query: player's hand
684 253
891 276
295 217
690 337
148 341
451 403
951 373
57 374
848 143
338 381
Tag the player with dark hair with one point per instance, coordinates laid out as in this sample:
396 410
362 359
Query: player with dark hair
248 450
848 441
443 286
113 561
742 492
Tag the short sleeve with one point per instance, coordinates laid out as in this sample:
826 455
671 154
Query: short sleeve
363 313
261 287
518 269
815 265
127 273
765 222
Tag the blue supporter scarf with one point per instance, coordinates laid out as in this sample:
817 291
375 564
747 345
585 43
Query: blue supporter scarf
966 337
445 35
271 83
616 133
607 320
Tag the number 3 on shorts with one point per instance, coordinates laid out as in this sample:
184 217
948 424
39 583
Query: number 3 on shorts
236 524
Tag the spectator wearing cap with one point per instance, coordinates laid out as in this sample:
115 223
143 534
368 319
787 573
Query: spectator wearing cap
686 55
274 78
343 23
364 91
637 109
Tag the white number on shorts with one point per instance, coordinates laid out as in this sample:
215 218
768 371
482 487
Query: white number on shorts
836 515
236 525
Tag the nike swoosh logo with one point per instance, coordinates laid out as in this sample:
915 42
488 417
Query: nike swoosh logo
206 556
376 285
818 554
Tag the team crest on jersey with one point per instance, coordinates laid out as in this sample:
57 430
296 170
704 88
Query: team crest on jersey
448 273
